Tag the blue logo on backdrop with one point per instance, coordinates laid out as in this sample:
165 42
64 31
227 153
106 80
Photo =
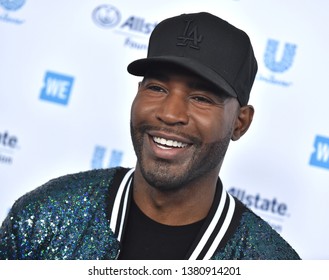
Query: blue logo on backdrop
115 158
8 145
320 156
286 60
57 88
278 63
106 16
134 28
11 6
269 208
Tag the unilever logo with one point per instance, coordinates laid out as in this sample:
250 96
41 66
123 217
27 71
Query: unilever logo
8 144
114 157
57 88
320 156
271 209
135 29
286 60
11 6
278 62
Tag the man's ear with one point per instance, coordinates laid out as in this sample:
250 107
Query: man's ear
243 121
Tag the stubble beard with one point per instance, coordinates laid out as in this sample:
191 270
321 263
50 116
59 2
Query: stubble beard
166 178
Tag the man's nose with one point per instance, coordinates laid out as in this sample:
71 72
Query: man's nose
174 110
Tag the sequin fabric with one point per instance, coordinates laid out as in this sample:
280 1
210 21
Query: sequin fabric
254 239
66 219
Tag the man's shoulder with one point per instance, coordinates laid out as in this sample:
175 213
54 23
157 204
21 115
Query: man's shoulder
57 214
254 238
67 189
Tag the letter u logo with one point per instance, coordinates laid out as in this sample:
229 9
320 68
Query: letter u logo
286 60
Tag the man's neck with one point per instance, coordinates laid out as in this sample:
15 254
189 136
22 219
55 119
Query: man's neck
187 205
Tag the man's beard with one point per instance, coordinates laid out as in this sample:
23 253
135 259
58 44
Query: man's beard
164 177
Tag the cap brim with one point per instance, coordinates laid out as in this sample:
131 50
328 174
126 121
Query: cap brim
140 67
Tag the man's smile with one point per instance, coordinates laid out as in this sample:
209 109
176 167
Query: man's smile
168 143
167 146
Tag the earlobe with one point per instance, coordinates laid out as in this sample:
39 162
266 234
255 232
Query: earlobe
243 121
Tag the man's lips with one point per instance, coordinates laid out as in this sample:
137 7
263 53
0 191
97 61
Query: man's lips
168 145
169 140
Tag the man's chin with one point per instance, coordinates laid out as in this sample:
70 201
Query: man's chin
164 177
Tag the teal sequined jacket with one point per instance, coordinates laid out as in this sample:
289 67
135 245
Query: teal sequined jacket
67 218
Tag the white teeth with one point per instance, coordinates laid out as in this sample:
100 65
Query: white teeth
169 143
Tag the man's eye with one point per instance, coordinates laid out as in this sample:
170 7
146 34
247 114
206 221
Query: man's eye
155 88
202 99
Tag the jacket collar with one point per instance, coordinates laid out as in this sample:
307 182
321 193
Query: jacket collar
211 234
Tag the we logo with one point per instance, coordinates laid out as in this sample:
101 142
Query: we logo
320 156
57 88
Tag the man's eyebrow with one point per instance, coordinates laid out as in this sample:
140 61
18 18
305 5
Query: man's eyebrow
207 87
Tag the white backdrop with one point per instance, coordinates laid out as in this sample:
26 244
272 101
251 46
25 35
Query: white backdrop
65 101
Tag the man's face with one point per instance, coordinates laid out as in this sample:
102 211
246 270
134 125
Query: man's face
180 127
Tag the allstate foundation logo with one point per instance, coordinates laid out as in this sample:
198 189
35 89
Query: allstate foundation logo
271 209
11 6
320 155
8 146
57 88
106 16
278 62
102 158
135 29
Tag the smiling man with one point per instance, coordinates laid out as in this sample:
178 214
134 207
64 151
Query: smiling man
192 101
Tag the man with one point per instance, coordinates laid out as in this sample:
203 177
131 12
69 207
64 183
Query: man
192 101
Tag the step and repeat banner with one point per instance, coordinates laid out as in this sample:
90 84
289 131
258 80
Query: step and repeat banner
65 99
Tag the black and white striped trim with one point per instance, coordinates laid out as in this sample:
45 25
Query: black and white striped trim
120 205
214 229
209 237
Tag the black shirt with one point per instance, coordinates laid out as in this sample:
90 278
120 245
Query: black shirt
146 239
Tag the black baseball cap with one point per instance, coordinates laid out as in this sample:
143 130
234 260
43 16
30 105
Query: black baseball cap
206 45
